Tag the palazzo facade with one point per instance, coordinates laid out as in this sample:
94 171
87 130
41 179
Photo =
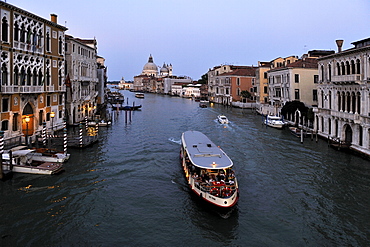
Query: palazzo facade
343 110
32 73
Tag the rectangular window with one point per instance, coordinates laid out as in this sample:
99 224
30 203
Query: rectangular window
314 95
265 75
41 114
15 122
48 100
296 94
265 89
315 78
5 105
296 78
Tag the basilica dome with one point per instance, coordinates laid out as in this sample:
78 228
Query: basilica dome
150 68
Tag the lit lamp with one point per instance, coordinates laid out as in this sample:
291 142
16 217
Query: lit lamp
27 119
52 115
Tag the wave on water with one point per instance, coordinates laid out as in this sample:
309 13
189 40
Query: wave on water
175 141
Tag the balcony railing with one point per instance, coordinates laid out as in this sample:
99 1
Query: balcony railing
347 78
22 89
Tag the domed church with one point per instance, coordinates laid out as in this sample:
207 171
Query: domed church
150 69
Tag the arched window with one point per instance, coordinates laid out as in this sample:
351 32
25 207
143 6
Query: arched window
322 73
329 99
329 126
23 77
348 68
23 34
339 101
358 97
343 101
4 30
34 77
348 99
16 31
343 68
4 74
40 79
338 69
353 68
329 72
358 66
29 77
47 41
353 102
47 77
60 78
16 75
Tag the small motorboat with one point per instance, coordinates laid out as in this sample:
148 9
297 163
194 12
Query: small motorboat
274 121
139 95
201 105
21 162
223 119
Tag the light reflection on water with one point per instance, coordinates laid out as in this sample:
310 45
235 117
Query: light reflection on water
129 189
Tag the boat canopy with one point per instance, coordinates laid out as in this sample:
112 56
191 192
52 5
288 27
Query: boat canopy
18 153
203 152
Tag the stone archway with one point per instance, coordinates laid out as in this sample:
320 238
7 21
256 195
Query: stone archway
28 114
348 134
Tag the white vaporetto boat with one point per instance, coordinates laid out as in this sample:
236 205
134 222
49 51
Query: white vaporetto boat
208 170
223 119
274 121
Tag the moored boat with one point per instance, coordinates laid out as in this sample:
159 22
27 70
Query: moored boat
48 155
223 119
208 170
19 161
274 121
297 131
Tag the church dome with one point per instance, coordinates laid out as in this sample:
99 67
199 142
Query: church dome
164 69
150 68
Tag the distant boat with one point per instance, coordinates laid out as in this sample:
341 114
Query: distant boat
223 119
274 121
101 123
139 95
202 105
130 108
297 131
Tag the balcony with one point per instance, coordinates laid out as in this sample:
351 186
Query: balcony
345 79
21 89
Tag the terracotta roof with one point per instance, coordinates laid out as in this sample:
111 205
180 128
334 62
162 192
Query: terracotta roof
246 71
304 63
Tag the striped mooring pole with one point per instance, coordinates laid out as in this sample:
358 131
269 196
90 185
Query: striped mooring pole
43 134
81 143
65 136
1 153
86 125
96 128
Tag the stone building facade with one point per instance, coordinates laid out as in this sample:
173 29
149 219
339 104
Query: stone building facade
343 110
32 73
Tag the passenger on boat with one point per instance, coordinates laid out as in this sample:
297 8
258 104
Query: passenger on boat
221 176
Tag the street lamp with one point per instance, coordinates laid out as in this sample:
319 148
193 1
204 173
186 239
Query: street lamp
27 119
52 115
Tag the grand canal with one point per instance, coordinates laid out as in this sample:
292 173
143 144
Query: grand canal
129 190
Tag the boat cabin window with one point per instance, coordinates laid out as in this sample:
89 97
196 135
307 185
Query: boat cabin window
194 146
209 145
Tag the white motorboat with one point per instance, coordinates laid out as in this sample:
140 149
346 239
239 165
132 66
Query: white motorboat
101 123
208 170
48 155
21 162
223 119
274 121
139 95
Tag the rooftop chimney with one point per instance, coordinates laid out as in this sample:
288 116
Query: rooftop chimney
54 18
339 44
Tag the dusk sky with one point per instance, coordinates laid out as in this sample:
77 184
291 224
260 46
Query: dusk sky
196 35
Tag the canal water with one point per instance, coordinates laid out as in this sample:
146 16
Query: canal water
129 190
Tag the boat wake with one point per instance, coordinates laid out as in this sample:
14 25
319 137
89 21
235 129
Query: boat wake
175 141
